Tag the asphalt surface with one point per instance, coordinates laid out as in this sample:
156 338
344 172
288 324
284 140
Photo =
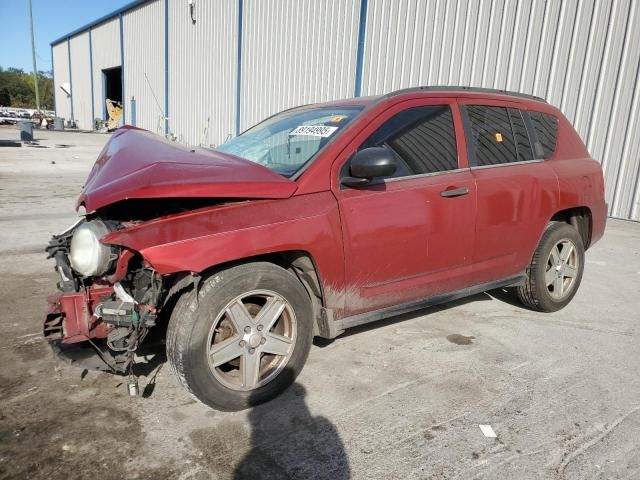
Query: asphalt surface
398 399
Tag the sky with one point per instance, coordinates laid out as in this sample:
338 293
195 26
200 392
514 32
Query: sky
51 20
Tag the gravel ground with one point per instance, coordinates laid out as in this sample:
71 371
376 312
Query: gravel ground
399 399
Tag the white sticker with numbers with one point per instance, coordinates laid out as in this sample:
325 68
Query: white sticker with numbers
314 130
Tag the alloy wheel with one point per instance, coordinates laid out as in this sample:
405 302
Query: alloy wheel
251 340
562 269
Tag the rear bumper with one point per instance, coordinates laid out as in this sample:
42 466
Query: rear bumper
70 317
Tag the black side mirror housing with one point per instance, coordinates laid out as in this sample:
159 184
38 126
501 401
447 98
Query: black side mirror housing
370 163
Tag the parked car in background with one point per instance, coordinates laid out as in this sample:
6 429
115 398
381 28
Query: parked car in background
8 117
319 219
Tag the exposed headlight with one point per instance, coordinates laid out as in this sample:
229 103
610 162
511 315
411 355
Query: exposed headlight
87 255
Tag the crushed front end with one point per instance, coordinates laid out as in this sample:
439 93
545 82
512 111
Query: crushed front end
108 298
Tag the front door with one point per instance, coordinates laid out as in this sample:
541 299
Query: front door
409 236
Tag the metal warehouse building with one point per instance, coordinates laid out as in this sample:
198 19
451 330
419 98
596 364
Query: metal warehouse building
203 70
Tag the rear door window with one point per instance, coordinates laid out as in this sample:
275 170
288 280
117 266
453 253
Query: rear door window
491 139
546 130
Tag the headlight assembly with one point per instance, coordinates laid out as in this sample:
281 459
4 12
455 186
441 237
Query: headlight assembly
87 255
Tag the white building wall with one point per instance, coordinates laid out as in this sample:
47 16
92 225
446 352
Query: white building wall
583 56
202 71
296 52
144 65
105 43
81 81
61 76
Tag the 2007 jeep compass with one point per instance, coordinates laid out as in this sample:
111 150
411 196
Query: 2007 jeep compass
318 219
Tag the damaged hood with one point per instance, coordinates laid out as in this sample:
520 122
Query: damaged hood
138 164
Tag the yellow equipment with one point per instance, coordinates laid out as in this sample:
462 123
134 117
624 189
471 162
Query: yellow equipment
114 110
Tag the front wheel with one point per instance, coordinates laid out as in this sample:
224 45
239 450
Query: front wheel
244 339
555 272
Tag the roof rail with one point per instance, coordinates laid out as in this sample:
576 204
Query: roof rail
444 88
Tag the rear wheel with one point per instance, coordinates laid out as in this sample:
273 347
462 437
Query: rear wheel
555 272
244 339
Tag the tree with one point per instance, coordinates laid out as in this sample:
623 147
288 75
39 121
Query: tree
17 89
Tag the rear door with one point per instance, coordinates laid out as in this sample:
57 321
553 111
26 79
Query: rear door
516 189
409 236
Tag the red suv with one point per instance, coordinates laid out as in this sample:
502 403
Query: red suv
318 219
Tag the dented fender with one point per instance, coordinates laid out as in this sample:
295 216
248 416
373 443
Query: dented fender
197 240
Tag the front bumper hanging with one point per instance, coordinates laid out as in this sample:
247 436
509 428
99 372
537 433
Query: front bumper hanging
70 317
75 334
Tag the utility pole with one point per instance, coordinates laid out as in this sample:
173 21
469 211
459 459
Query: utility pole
33 54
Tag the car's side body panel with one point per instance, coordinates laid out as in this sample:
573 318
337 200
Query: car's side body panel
421 241
580 179
198 240
581 185
515 202
404 241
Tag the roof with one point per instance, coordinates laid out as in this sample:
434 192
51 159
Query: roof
103 19
471 90
453 91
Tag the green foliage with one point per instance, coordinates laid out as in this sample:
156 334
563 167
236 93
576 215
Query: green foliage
17 89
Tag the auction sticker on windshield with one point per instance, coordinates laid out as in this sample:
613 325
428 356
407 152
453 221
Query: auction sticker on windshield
314 130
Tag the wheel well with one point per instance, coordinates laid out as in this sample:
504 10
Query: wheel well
299 263
580 219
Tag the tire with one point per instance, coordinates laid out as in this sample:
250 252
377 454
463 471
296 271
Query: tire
223 300
536 292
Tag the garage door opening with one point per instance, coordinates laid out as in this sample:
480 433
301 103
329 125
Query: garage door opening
112 81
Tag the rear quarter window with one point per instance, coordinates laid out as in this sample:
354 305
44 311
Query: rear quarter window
546 129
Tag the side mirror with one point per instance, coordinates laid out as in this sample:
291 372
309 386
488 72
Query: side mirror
368 164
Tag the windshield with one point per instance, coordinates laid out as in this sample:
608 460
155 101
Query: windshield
285 142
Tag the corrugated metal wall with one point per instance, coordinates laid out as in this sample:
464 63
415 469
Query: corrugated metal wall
202 71
144 65
296 52
105 42
61 76
583 56
81 81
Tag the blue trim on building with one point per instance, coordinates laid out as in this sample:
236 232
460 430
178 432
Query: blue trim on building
124 97
239 67
70 77
166 67
104 95
53 79
360 53
105 18
93 107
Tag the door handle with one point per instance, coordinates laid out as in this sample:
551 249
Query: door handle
454 192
